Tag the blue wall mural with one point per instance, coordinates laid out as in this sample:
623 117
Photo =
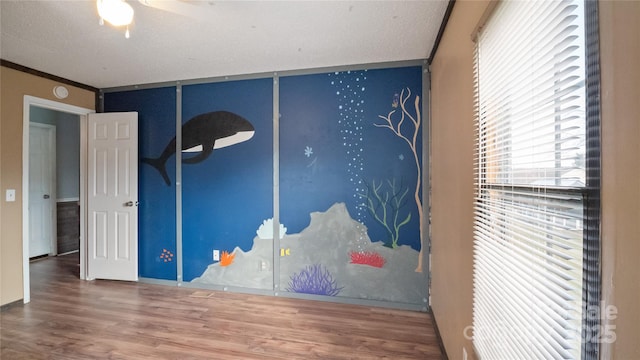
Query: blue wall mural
227 195
332 151
350 192
157 211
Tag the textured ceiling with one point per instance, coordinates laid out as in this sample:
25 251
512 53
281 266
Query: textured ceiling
213 38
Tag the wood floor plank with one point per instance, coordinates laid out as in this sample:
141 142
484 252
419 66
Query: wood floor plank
71 319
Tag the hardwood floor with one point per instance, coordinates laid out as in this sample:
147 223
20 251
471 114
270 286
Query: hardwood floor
72 319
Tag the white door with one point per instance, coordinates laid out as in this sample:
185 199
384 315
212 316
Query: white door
42 199
112 196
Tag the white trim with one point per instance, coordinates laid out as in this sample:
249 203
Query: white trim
52 105
68 252
84 128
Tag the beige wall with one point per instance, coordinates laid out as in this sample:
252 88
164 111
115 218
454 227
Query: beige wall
13 86
452 174
620 73
452 150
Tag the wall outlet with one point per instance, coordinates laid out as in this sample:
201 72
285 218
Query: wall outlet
216 255
11 195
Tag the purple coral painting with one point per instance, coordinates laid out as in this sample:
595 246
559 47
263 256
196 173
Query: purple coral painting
314 279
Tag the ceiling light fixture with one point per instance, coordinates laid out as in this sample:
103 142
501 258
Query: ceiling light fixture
116 13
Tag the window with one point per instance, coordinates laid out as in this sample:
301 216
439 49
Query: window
537 182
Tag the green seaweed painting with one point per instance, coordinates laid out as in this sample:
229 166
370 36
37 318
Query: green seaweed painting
411 140
385 208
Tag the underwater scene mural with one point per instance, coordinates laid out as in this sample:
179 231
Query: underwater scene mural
157 210
227 179
350 190
350 184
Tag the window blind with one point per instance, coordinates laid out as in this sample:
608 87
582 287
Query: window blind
530 181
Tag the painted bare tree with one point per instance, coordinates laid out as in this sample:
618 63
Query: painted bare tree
411 140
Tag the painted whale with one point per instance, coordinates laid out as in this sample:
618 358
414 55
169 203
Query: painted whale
201 134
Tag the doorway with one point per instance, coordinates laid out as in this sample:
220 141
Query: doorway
33 105
54 182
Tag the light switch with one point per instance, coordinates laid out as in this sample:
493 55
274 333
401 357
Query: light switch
11 195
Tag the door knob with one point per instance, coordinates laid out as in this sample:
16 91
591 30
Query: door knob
131 203
46 196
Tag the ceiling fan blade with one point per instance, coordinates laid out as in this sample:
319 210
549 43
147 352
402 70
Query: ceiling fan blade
192 9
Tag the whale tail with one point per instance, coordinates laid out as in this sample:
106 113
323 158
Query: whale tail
159 164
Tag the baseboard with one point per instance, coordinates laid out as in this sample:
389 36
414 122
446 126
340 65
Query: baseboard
39 257
11 304
68 252
439 338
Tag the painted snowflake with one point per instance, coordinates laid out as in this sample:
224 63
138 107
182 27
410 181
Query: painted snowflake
308 151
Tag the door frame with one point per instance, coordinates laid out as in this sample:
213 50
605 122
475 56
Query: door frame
53 248
67 108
